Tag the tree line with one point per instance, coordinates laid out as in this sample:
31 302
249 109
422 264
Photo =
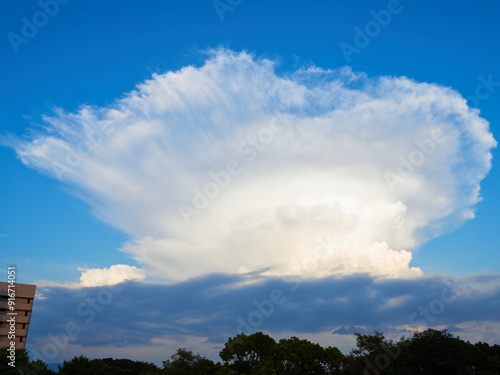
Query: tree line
431 352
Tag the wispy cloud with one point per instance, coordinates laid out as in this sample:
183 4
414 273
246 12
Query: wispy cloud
231 167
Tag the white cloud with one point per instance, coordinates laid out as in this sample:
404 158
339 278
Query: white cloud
345 343
379 166
91 277
115 274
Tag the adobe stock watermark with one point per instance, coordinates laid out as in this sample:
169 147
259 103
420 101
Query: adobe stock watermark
266 308
88 143
277 297
12 314
421 318
223 6
86 310
220 180
407 165
363 37
263 309
483 91
31 26
323 249
436 307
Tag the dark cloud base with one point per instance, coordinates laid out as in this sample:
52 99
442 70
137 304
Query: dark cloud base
218 306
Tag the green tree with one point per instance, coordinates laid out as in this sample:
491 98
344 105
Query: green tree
332 360
260 354
245 352
21 360
374 354
430 352
296 356
135 367
23 364
77 366
82 365
184 362
435 352
226 369
486 358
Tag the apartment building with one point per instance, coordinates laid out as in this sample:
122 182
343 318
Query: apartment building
15 322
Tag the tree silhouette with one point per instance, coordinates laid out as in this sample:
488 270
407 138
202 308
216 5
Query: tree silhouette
431 352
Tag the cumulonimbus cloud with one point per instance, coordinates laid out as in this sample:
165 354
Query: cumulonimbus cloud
230 167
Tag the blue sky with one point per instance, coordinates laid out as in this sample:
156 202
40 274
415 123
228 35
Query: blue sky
92 54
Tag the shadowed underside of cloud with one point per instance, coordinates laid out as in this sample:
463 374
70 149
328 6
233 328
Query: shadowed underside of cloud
210 309
229 167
